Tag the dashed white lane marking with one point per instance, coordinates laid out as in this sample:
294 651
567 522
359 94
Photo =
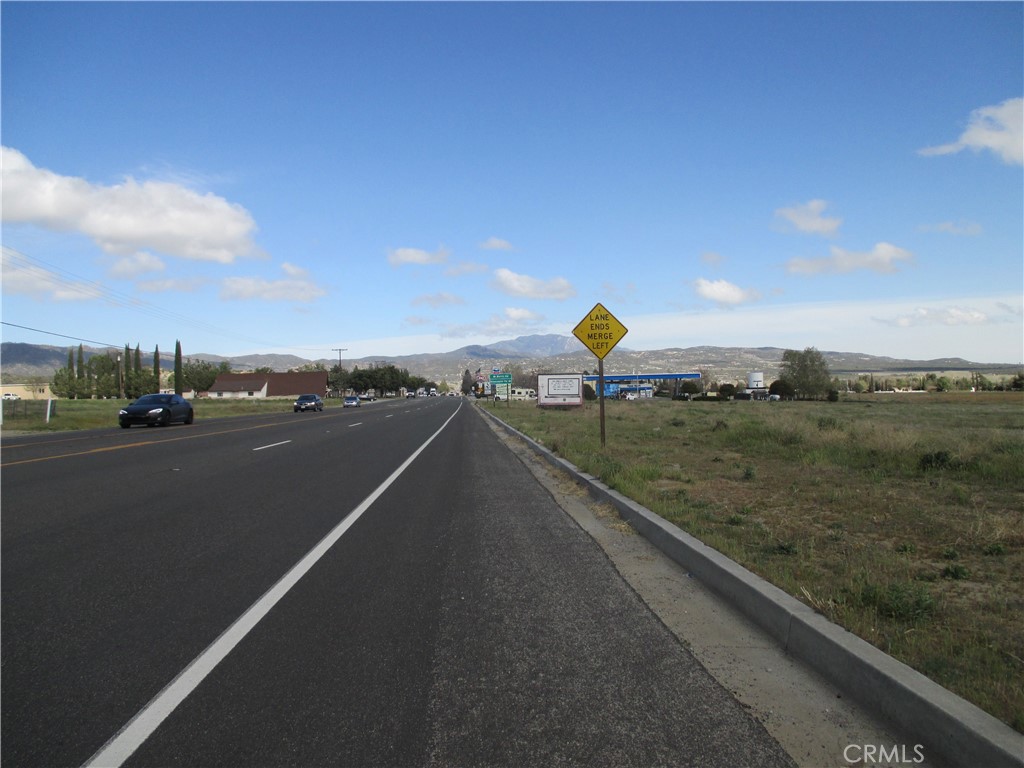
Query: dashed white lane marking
272 445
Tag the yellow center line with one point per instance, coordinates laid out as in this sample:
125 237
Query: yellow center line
105 449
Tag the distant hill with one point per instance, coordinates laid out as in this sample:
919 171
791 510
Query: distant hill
546 353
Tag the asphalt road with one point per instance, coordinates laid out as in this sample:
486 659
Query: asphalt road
165 602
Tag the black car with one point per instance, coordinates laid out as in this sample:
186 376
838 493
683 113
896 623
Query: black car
156 410
309 403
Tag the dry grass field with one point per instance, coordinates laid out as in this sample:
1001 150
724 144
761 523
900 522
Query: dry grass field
898 516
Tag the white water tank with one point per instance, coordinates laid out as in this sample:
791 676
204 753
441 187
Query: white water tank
755 380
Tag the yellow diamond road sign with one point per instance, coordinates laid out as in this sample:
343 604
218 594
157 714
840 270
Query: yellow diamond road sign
599 331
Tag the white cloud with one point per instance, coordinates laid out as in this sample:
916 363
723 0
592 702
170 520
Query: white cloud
937 316
23 278
496 244
293 288
839 326
513 321
136 264
998 129
723 292
436 300
400 256
510 283
808 218
884 257
520 315
968 228
126 218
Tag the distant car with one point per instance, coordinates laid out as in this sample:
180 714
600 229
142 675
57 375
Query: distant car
410 394
631 395
308 403
156 410
351 401
11 396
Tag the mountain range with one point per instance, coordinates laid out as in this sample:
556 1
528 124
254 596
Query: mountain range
545 353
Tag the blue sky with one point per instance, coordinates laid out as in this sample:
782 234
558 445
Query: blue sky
394 178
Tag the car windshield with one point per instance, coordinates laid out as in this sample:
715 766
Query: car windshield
307 397
153 400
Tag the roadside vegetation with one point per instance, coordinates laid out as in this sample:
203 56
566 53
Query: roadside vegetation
899 517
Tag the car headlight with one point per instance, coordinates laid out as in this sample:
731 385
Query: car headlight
122 412
155 411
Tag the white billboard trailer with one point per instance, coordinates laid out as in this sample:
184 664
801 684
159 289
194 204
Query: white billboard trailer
560 389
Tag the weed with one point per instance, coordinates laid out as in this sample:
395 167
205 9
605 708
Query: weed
734 520
903 601
785 548
950 553
956 572
750 473
994 549
937 461
826 423
906 548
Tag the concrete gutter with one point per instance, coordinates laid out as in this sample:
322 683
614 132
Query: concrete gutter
952 731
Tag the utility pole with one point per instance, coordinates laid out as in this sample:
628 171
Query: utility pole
339 351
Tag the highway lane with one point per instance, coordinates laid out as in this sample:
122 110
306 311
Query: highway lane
161 543
462 619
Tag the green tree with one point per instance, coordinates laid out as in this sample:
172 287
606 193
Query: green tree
726 391
807 373
467 382
156 366
72 378
690 387
199 375
63 383
337 379
83 386
103 373
782 388
178 381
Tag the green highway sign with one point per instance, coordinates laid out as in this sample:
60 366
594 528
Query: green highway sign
501 378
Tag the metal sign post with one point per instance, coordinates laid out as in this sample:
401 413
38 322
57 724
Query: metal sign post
600 331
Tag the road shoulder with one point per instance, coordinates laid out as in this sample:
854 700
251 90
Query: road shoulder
812 720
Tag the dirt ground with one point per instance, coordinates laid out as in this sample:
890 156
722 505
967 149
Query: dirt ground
812 720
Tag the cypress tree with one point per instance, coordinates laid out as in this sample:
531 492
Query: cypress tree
156 366
177 367
71 373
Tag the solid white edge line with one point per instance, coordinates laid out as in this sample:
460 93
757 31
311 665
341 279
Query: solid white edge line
134 733
272 445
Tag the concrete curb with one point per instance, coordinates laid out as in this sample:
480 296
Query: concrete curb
952 730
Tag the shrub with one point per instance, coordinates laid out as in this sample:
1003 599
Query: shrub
826 423
904 601
956 572
938 460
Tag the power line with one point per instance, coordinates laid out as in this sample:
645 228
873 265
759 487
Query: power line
61 335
